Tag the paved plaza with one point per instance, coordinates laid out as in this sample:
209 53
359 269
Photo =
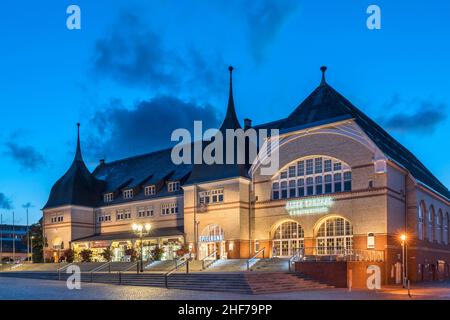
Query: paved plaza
23 289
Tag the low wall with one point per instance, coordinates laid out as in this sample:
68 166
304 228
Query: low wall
337 273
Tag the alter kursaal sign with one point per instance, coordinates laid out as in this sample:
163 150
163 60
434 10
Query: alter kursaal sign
309 206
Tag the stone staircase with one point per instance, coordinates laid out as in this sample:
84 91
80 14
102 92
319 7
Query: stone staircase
228 265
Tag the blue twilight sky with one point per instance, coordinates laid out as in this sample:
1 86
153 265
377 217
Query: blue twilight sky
138 69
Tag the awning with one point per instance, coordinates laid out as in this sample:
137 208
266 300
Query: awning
154 233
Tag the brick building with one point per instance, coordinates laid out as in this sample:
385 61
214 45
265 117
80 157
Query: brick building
344 188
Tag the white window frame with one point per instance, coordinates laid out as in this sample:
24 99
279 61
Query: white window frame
315 172
208 197
145 212
128 194
108 197
173 186
150 190
169 208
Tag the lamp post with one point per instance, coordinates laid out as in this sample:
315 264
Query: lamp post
31 249
141 230
403 239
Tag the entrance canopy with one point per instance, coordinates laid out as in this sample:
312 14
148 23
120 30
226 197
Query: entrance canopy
117 236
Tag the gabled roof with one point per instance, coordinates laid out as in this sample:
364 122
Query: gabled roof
77 186
148 169
325 104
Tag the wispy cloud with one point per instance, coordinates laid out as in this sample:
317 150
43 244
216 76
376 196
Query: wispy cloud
26 156
134 55
423 117
5 202
265 19
118 131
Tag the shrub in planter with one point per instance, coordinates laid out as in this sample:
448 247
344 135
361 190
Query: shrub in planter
107 254
86 255
69 255
157 253
132 253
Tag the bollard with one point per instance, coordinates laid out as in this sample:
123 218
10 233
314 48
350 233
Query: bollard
409 288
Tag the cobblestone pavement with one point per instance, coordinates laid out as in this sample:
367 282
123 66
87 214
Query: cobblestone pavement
22 289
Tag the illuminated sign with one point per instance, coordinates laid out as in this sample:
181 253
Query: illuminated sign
309 206
211 238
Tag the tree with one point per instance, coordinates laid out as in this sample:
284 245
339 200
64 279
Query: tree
86 255
107 254
69 255
37 251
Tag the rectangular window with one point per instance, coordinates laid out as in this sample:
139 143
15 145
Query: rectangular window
108 197
309 166
327 165
291 188
169 208
283 175
347 181
283 190
128 194
56 219
337 182
149 190
310 186
291 172
301 187
337 166
174 186
318 165
328 184
301 168
210 196
319 187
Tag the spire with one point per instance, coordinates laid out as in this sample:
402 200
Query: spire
323 69
230 121
78 156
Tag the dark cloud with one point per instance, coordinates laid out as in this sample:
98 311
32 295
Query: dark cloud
265 19
424 119
134 55
118 132
5 202
26 156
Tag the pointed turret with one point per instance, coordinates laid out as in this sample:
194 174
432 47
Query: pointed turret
231 121
77 186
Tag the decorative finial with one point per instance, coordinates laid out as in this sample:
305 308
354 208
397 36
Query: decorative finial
323 69
78 156
230 68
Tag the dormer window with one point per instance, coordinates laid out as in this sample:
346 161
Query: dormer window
174 186
128 194
108 197
149 190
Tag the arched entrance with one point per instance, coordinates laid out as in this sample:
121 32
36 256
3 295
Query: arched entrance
287 239
334 236
211 240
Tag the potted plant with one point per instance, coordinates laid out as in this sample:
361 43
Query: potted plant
69 255
107 254
86 255
157 253
132 253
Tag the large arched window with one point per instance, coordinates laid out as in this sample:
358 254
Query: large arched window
287 239
334 236
212 233
430 223
438 226
420 217
311 176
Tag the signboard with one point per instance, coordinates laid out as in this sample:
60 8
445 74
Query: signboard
309 206
99 244
211 238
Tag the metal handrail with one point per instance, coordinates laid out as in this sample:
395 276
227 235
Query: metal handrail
213 254
254 257
100 267
296 256
134 264
344 254
184 260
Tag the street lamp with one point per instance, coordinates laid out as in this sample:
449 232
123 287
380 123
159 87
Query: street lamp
141 230
31 249
403 239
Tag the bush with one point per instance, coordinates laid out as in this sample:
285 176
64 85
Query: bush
107 254
86 255
69 255
157 253
182 251
132 253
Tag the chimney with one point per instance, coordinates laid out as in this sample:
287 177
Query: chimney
247 123
102 162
